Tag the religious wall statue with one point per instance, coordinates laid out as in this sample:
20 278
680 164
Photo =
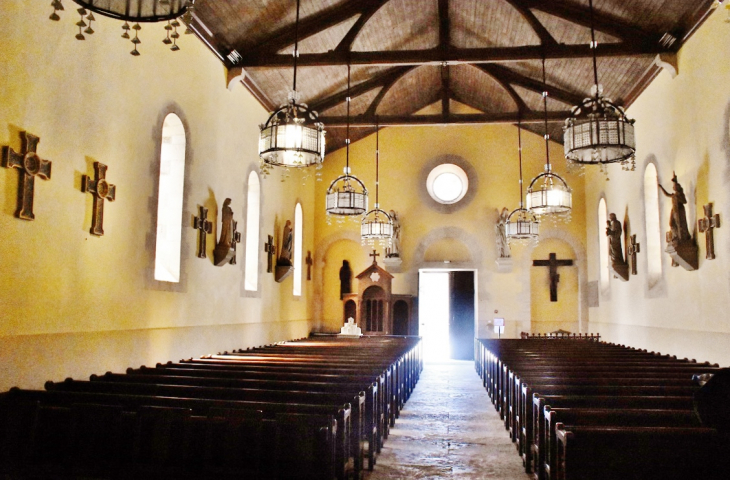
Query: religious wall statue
500 232
615 250
394 250
680 245
225 249
345 279
284 266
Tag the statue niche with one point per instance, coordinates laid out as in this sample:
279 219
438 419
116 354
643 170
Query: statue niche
680 244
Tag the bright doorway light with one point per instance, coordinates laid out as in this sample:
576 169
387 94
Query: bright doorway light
433 315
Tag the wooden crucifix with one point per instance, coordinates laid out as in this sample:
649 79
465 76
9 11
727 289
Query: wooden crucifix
204 227
553 263
30 166
707 225
270 249
374 254
101 190
633 248
309 264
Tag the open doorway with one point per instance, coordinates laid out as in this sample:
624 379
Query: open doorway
447 318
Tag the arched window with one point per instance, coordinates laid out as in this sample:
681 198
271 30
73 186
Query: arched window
603 243
170 200
253 203
653 231
298 249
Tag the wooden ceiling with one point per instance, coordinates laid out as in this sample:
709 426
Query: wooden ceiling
468 61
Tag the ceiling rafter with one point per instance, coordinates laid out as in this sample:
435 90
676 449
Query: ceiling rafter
285 36
504 74
453 55
384 79
370 120
347 41
445 90
602 22
444 45
373 108
545 37
504 83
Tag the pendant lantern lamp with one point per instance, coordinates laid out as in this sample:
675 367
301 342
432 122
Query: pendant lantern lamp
522 224
549 194
347 195
292 137
598 131
376 224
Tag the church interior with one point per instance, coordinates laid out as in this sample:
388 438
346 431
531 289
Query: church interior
114 233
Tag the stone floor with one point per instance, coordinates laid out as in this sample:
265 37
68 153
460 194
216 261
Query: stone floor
448 429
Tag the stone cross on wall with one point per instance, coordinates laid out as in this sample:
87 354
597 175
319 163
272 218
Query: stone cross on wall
633 248
707 226
204 227
309 264
374 254
553 263
270 249
101 190
30 166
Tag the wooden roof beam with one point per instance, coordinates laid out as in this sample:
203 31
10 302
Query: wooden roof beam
504 74
347 41
312 25
360 121
602 22
452 56
384 80
545 37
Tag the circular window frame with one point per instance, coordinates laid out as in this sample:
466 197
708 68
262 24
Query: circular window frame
472 183
450 169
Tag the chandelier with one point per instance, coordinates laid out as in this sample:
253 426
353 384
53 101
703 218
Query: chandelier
292 137
347 195
136 12
598 131
548 193
521 223
376 224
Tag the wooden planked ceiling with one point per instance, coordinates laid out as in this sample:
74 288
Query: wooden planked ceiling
406 55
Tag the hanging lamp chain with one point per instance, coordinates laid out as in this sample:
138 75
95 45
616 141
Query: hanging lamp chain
377 164
519 152
594 47
544 98
296 46
347 140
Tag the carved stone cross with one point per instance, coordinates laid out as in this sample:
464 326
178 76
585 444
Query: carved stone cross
204 227
30 166
270 249
374 254
553 263
236 240
102 190
309 264
633 248
707 225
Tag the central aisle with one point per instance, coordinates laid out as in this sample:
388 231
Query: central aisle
448 429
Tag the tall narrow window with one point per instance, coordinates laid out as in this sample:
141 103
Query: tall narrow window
653 230
253 202
603 243
298 237
170 200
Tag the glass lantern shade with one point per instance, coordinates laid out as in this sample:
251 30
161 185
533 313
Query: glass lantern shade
549 194
347 195
598 132
292 137
522 225
138 10
376 224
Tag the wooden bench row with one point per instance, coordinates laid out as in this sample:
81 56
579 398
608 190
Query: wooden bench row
306 409
561 400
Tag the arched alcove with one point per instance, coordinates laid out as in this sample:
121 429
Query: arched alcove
652 226
253 209
603 245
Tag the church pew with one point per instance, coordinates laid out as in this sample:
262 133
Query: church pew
349 444
28 401
646 453
545 449
370 430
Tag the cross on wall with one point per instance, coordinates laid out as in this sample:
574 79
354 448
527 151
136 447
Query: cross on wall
101 190
553 263
203 226
30 166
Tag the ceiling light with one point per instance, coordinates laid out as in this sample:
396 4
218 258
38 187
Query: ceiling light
521 224
376 224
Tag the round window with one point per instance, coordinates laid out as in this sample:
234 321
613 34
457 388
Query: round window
447 183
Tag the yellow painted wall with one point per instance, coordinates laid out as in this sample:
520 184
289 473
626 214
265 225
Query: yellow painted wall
72 304
682 125
465 237
549 316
